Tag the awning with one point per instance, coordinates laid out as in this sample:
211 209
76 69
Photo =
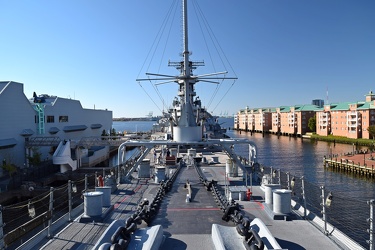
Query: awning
96 126
7 143
27 132
74 128
53 130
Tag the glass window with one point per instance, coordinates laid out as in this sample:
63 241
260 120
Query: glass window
63 118
50 119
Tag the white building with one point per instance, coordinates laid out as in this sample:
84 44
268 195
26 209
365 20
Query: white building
42 117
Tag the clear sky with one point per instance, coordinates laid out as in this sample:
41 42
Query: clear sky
284 52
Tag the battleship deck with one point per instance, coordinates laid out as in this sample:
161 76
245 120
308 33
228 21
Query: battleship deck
187 225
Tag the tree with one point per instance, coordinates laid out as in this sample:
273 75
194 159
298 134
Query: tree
12 169
113 131
35 159
312 124
371 131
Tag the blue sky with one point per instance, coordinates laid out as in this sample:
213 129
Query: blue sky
284 52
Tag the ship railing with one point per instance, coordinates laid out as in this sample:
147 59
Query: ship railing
47 212
331 211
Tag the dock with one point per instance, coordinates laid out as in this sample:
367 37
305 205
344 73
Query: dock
361 164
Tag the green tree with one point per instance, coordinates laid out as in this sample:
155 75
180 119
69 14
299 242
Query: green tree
113 131
35 159
371 131
10 168
312 124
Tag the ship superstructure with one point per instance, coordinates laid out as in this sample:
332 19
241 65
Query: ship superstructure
187 116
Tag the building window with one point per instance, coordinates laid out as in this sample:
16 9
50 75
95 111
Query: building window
50 119
63 118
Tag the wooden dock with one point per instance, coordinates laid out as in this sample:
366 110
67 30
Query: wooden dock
361 164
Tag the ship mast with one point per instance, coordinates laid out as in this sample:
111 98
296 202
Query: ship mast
186 112
186 39
186 83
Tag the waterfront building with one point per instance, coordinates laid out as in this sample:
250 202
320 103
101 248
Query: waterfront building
45 118
288 120
241 120
347 119
262 118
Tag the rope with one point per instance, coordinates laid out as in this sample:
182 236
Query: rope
25 205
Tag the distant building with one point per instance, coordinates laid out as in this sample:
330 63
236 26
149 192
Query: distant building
318 102
45 118
348 119
288 120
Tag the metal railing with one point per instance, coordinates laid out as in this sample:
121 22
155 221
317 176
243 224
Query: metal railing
353 217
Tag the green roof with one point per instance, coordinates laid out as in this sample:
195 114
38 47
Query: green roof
365 105
310 107
307 107
340 106
284 109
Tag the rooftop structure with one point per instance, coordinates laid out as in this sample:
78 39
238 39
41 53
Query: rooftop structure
43 117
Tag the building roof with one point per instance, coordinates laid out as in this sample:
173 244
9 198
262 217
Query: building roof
365 105
284 109
307 107
340 106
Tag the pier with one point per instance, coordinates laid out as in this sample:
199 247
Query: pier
361 164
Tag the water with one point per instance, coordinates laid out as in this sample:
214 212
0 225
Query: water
132 126
303 157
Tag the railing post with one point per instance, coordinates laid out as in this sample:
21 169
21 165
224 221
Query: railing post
103 175
2 244
324 210
86 182
271 175
304 198
371 221
288 179
326 203
50 210
70 200
279 176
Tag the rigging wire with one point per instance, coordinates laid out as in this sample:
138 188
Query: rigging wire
151 54
197 11
230 87
218 48
162 57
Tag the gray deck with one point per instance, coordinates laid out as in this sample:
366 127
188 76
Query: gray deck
187 225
